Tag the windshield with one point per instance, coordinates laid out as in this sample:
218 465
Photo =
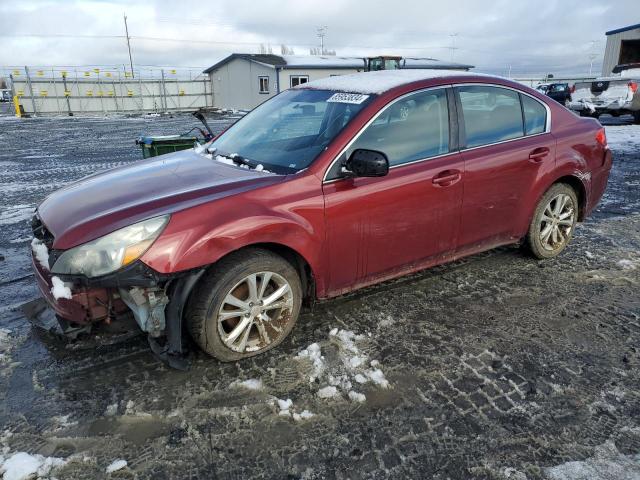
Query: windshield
286 133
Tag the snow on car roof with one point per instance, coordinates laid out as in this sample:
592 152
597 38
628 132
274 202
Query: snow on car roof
381 81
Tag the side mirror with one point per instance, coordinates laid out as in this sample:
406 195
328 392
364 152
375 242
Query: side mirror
367 163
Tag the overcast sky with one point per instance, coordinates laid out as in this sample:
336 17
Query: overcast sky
531 37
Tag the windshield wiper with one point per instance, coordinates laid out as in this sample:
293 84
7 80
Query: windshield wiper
237 159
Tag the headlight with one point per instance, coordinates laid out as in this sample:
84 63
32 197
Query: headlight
111 252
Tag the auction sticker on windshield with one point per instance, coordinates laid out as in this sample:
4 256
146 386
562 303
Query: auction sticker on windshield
356 98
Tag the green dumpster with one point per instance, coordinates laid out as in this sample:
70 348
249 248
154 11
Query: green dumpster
152 146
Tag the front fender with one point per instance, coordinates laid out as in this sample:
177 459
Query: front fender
201 235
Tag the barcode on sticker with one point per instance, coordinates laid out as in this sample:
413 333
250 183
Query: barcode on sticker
356 98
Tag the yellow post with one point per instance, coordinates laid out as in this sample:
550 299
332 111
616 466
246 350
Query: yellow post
16 105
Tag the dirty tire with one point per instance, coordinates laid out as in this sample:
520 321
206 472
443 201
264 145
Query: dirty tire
211 291
534 241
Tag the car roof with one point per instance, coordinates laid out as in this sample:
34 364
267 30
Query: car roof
384 80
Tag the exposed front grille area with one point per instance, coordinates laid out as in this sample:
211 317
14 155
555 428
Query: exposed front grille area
41 232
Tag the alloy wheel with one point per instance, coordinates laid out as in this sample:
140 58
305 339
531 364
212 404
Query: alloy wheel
556 222
255 311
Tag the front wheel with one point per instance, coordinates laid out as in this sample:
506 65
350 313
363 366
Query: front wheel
553 222
246 305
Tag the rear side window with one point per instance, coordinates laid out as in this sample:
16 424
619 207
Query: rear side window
535 115
413 128
491 114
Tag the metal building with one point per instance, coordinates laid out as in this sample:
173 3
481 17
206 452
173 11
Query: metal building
623 46
245 80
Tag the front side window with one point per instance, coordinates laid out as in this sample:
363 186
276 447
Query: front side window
263 84
298 80
413 128
535 115
491 114
286 133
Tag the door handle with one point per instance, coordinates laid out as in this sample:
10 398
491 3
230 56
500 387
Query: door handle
446 178
539 154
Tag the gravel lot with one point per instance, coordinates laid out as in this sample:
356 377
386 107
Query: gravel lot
498 366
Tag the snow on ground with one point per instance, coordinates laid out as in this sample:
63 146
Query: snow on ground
16 214
606 464
7 344
285 409
116 465
250 384
23 466
353 366
623 138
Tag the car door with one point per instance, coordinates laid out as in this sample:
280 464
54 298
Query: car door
506 147
380 227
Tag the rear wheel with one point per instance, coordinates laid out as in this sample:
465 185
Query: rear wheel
553 222
636 117
246 305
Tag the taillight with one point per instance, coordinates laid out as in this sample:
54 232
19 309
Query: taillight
601 137
572 89
633 86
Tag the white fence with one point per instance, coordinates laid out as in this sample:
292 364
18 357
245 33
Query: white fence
61 92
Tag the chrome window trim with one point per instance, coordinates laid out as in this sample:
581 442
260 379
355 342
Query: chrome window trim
373 119
477 84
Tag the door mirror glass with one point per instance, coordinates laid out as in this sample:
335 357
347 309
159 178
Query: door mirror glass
367 163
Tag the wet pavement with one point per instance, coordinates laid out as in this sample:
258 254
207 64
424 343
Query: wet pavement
498 366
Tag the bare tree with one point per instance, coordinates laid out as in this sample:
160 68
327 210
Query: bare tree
266 49
3 83
286 50
318 51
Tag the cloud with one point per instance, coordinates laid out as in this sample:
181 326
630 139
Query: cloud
531 37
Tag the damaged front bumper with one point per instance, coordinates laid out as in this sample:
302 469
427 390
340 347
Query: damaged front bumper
156 301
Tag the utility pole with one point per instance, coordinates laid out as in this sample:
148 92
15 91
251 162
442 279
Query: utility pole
592 56
322 31
126 29
453 47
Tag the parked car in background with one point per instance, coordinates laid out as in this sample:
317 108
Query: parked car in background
560 92
328 187
5 95
615 95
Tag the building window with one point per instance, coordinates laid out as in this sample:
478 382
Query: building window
263 83
296 80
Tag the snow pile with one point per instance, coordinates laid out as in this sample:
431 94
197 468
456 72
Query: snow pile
606 464
286 410
22 466
251 384
328 392
626 264
354 367
623 138
313 353
284 406
305 415
60 289
41 253
116 465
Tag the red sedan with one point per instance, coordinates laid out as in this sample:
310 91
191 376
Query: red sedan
328 187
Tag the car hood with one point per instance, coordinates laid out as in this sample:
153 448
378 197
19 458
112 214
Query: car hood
106 201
